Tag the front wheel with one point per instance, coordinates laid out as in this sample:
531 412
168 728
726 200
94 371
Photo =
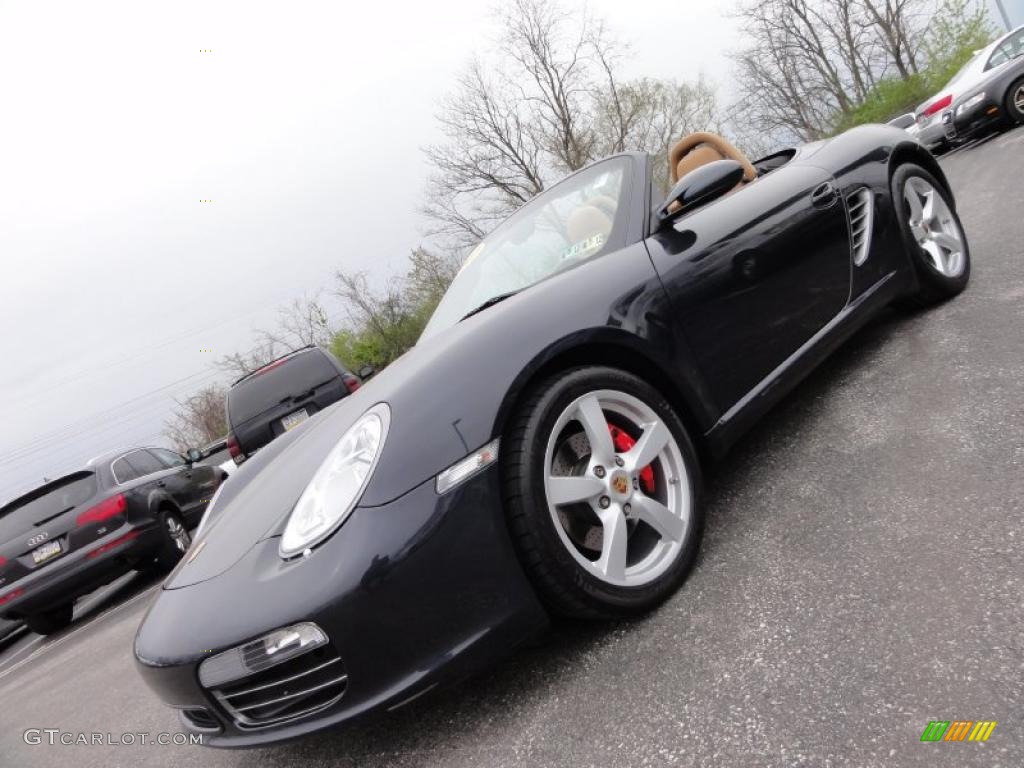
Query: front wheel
933 235
601 487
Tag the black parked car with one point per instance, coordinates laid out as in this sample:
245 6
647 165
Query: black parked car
281 395
124 510
539 452
997 100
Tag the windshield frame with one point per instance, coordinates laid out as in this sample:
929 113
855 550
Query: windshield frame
632 228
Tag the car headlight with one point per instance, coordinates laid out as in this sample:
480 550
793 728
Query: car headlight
972 102
338 483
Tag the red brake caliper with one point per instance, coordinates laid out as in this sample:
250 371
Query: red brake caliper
623 442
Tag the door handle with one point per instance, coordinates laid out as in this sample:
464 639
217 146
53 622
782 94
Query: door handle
824 196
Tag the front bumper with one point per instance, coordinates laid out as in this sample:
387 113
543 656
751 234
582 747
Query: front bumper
975 121
80 572
423 590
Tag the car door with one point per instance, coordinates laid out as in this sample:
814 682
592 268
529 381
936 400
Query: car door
154 473
754 275
193 484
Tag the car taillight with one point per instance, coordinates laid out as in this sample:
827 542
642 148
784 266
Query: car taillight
12 595
3 561
939 105
234 449
105 510
351 382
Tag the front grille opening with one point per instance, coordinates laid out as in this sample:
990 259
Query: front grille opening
201 719
862 218
298 687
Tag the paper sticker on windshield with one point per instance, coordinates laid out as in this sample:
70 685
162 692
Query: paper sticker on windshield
584 248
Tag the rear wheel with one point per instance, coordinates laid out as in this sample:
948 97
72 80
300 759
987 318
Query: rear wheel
54 620
1015 102
933 235
176 541
601 484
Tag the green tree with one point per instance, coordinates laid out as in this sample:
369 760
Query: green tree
384 323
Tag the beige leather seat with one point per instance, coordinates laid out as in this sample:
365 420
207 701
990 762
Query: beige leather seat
595 217
702 148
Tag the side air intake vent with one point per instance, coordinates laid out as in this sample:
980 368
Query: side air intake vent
862 219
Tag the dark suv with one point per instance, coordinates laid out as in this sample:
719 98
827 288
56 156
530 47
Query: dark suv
126 509
281 395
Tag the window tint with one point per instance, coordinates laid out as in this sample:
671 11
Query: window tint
144 463
123 471
167 458
45 502
291 377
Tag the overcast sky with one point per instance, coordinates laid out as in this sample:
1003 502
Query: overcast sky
303 126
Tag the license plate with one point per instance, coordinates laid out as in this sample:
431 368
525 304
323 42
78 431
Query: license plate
293 420
46 551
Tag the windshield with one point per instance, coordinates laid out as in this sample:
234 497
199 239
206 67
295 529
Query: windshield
45 502
574 221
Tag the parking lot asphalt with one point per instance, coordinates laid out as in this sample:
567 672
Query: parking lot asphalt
861 575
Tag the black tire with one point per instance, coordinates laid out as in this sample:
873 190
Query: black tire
170 551
562 583
933 285
1013 112
53 620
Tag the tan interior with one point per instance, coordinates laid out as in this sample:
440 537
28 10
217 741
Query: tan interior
595 217
587 221
702 148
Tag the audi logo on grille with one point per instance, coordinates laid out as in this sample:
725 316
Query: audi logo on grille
39 538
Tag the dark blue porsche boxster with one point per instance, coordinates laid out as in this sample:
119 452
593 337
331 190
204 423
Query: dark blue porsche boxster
597 349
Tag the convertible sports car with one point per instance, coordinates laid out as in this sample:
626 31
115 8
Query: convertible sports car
597 349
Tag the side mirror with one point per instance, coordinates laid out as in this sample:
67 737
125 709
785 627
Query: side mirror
194 455
366 372
699 186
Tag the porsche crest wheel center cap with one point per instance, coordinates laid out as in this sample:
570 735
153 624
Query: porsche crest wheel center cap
620 485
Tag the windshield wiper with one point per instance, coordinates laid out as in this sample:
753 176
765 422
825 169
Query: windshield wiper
489 303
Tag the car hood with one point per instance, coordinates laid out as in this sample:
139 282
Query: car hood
256 500
259 496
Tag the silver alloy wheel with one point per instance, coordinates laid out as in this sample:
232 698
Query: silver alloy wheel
178 534
641 534
935 227
1018 99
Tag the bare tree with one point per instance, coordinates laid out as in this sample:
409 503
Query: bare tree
552 103
891 21
243 363
812 63
812 60
199 419
302 323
